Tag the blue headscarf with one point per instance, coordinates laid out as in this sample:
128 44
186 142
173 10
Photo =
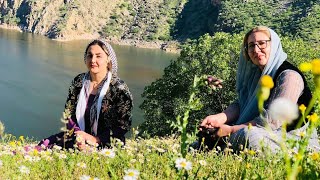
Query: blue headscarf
248 76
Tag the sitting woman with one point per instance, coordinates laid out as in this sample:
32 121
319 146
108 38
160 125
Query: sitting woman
262 54
99 103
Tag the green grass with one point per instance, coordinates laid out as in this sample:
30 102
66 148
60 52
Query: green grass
153 158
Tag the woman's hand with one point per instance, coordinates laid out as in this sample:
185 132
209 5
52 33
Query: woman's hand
86 138
224 130
215 120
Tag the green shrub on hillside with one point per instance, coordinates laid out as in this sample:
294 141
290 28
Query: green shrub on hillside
309 25
235 17
10 19
293 19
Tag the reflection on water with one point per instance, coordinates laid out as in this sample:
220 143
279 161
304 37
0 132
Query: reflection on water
35 74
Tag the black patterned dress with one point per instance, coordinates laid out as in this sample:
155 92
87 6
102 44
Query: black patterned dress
114 119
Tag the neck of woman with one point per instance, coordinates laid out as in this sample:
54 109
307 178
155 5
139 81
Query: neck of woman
98 77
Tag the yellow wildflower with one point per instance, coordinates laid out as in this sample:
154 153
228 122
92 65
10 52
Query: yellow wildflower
313 118
298 156
266 81
249 126
316 66
35 152
21 138
315 156
302 108
248 165
304 67
251 152
302 134
12 143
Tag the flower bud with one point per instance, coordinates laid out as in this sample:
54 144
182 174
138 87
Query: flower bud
266 81
316 66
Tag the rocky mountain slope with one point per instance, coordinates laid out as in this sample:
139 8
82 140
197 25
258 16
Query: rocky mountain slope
128 21
58 19
159 23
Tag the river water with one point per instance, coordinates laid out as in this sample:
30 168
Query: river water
35 74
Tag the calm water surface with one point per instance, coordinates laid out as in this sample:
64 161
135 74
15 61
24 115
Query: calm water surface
35 74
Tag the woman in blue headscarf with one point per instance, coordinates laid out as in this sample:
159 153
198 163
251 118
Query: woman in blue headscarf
261 55
99 103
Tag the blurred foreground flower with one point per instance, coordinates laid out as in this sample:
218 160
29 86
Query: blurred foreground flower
182 163
131 174
24 170
314 66
302 108
266 83
315 156
313 118
284 110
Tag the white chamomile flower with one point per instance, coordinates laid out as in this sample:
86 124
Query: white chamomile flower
182 163
133 161
131 174
57 147
23 169
203 162
82 165
108 152
62 156
28 158
86 177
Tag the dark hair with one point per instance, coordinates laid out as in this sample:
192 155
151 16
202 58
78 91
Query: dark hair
262 29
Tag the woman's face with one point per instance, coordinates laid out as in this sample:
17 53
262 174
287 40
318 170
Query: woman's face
97 60
259 47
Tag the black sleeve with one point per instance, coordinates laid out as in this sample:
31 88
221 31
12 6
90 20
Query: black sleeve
74 90
117 118
124 105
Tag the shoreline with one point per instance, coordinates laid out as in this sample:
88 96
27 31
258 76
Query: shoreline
170 46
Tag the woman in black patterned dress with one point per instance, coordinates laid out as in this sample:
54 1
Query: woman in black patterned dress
99 103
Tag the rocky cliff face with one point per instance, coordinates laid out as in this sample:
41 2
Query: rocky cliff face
146 23
57 19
